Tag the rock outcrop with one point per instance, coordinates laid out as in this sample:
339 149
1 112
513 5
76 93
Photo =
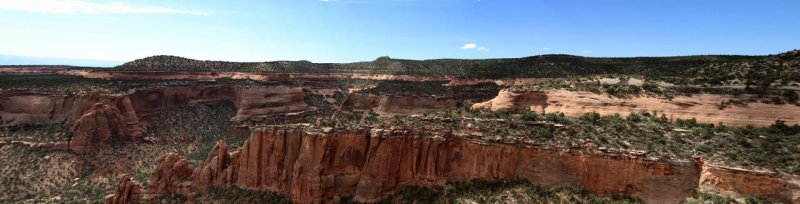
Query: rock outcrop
703 107
103 124
370 164
394 104
507 100
737 182
23 107
102 120
217 169
126 192
250 101
171 175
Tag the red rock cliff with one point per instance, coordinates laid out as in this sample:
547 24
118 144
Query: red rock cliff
316 167
104 123
127 191
395 104
736 182
109 119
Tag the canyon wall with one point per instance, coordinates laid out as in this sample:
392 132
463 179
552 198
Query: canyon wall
96 120
250 101
703 107
313 167
395 104
22 107
737 182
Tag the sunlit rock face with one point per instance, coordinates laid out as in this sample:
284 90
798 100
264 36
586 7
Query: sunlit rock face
104 124
370 164
703 107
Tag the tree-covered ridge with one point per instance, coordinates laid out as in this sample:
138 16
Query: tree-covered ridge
708 68
175 63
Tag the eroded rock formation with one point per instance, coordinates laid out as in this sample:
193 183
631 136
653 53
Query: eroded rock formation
250 101
703 107
171 175
126 192
395 104
102 124
737 182
23 107
369 164
511 100
216 170
109 119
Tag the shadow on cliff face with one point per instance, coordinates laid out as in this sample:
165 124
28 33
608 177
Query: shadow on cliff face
390 98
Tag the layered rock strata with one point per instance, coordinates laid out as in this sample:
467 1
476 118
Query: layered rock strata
370 164
97 120
395 104
703 107
127 191
737 182
104 123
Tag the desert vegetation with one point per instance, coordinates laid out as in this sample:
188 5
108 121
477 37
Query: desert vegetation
648 133
755 71
514 191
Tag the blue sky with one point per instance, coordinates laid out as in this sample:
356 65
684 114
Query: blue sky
361 30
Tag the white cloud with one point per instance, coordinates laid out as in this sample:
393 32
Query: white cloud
469 46
586 52
83 6
547 48
473 46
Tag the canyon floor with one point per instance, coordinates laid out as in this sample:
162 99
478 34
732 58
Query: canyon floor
297 132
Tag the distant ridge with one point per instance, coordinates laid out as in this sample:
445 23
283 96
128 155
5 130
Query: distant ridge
718 67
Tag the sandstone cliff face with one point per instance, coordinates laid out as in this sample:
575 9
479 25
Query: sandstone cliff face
395 105
735 182
511 100
250 101
171 175
216 170
127 191
21 107
703 107
93 120
315 167
102 124
101 120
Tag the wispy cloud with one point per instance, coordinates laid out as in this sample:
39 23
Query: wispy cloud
547 48
469 46
586 52
473 46
83 6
